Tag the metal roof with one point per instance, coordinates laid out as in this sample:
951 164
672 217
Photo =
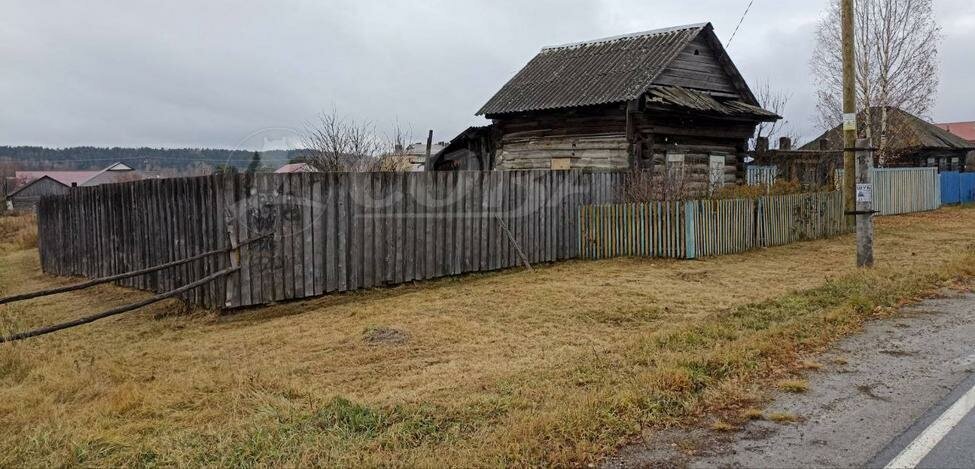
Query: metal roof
906 131
965 130
601 71
31 183
64 177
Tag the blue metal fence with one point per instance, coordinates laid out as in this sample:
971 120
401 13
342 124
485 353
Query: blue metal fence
957 188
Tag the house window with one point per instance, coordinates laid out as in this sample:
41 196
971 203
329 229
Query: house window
716 171
674 183
675 165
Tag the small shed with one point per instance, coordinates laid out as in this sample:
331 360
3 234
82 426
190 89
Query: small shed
26 197
902 140
663 98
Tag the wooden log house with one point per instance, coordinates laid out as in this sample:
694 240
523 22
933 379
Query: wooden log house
668 98
902 140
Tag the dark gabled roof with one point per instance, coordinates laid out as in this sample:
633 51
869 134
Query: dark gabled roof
603 71
905 132
699 101
32 182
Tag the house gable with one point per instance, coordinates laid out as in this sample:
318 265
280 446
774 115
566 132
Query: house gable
704 65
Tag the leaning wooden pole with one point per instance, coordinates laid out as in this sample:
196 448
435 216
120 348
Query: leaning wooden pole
112 278
849 109
102 280
118 310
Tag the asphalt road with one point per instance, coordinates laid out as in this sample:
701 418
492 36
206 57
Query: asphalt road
943 438
878 394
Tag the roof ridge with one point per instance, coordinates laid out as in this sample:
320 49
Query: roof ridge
652 32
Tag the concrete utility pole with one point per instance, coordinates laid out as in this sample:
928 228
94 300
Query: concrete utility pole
864 197
849 108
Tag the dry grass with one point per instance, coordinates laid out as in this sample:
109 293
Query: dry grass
796 386
17 232
752 414
810 365
556 367
722 426
783 417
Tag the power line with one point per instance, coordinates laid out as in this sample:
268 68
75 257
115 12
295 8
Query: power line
740 21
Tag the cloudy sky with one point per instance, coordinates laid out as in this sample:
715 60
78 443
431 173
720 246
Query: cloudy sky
209 73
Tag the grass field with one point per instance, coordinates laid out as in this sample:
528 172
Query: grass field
559 366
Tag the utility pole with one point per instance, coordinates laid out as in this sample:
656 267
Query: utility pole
857 159
849 109
864 196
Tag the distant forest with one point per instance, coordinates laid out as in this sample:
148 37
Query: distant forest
182 160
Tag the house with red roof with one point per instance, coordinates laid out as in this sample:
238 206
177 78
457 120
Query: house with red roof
965 130
30 186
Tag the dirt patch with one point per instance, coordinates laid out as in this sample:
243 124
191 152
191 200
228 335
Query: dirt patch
385 336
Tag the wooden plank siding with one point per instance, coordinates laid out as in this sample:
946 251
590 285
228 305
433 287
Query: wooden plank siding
332 232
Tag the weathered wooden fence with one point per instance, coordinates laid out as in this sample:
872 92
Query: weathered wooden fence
332 232
756 175
903 190
702 228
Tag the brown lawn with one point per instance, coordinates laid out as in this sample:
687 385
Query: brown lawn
558 366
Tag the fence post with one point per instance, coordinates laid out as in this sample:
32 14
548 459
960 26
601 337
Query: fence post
689 210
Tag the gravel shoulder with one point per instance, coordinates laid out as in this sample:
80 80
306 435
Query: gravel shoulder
871 389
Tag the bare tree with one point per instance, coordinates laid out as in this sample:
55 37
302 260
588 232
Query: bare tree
338 144
776 101
335 143
896 61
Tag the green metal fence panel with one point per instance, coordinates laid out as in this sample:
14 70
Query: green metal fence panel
904 190
706 228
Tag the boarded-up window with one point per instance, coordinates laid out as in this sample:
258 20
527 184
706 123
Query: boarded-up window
716 171
561 164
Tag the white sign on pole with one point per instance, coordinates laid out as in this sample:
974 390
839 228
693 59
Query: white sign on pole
850 121
864 193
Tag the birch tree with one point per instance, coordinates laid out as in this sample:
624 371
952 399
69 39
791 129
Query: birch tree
896 62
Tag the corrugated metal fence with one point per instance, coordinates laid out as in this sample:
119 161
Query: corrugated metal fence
957 188
702 228
332 232
903 190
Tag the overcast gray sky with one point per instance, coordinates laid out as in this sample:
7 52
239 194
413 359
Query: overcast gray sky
210 73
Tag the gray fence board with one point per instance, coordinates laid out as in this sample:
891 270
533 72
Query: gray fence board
331 232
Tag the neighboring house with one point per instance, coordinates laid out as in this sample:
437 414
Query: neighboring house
417 153
904 140
26 197
296 168
32 185
965 130
668 98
